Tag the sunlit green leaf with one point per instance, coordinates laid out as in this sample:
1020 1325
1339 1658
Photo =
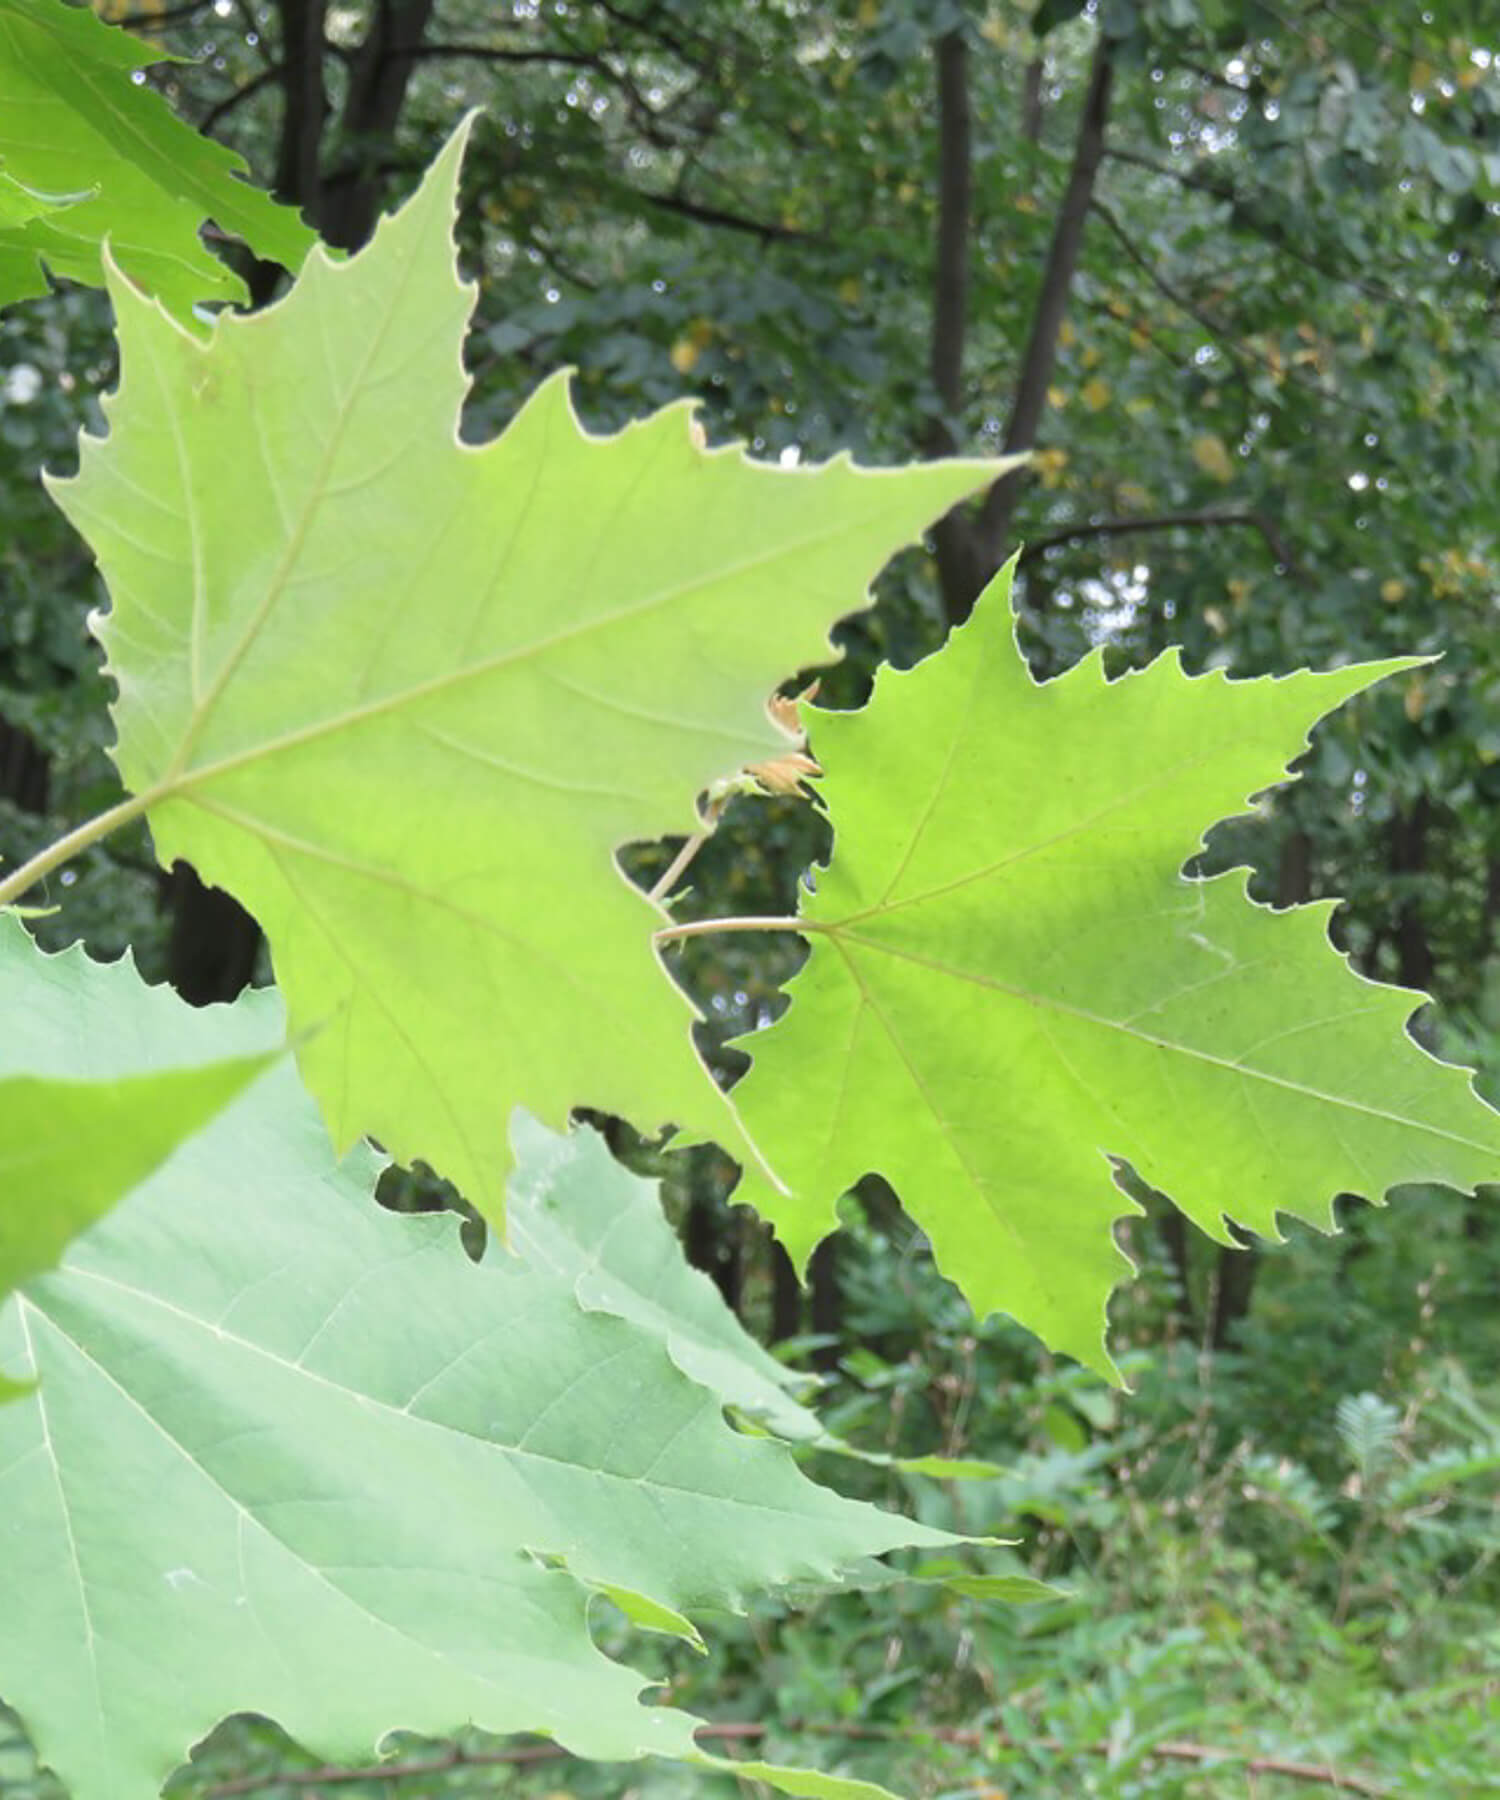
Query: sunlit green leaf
405 697
1011 983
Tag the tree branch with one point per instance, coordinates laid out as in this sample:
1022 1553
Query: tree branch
1207 516
572 59
150 22
223 108
716 215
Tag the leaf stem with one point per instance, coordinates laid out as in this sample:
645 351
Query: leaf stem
702 927
80 838
678 864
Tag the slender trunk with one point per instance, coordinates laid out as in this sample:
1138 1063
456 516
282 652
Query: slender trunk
304 104
25 769
1030 400
1415 964
1031 100
827 1303
1235 1270
378 81
1172 1228
953 537
786 1295
970 549
304 112
712 1243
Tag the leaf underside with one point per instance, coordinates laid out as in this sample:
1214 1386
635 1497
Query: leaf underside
292 1454
86 154
405 697
572 1209
1011 982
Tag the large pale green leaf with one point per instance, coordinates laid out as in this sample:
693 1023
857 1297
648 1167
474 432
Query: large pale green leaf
573 1209
293 1454
1011 982
405 697
87 154
86 1109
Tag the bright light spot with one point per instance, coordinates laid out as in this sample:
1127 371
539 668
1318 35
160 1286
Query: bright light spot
22 385
1359 481
790 456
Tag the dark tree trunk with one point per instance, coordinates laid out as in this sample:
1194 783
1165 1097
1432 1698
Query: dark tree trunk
378 80
970 549
1415 963
1233 1287
786 1295
1173 1230
827 1304
712 1243
25 769
1030 400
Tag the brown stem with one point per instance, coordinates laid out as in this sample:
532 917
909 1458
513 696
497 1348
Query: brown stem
677 868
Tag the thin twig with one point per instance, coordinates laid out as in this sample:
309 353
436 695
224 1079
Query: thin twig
1321 1774
146 21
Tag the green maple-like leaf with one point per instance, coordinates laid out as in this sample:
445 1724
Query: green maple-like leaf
84 1114
406 697
293 1454
86 154
1011 981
